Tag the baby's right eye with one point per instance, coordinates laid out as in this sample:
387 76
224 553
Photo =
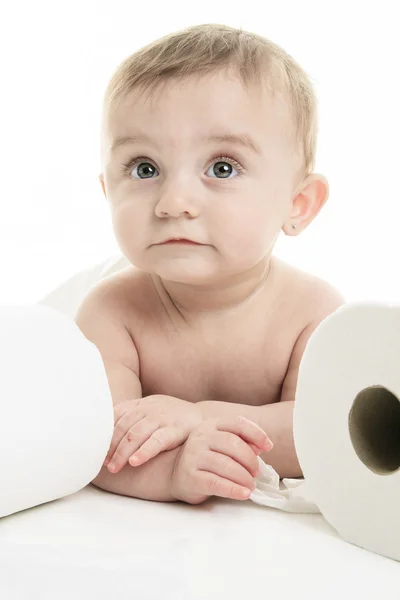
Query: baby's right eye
140 162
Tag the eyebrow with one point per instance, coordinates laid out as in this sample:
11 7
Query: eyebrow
238 139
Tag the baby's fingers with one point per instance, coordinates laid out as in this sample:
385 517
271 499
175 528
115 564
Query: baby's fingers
247 430
123 422
166 438
234 447
257 451
134 438
210 484
226 468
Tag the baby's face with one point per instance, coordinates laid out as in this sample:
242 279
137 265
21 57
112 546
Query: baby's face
181 182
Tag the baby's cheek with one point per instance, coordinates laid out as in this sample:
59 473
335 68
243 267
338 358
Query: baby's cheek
129 232
248 240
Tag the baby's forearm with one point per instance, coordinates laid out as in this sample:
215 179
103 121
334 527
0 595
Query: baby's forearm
151 481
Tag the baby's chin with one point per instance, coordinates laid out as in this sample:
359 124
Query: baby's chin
183 270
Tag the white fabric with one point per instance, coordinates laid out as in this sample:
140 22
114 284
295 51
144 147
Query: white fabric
97 545
68 296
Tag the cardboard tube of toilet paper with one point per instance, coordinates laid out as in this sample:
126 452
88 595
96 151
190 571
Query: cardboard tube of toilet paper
56 413
347 423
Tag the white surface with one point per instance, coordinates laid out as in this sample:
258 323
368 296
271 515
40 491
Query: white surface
348 456
56 413
96 545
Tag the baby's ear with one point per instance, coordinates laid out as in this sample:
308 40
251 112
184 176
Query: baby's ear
307 203
101 179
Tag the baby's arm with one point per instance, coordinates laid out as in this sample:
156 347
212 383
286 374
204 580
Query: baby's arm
217 459
100 322
99 318
151 481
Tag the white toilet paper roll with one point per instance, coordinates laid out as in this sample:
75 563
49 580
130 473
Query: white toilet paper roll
56 412
347 424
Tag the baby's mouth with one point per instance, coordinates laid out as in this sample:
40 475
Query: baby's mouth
179 241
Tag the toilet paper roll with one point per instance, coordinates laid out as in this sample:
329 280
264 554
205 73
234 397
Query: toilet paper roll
56 411
347 424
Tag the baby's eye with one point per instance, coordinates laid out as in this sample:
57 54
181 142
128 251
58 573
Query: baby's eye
144 168
222 168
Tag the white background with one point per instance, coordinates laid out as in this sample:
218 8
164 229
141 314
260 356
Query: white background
56 59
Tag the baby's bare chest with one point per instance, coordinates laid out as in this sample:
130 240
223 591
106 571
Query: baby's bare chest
241 359
239 364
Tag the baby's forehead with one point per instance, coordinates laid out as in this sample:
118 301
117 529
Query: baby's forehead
198 122
185 114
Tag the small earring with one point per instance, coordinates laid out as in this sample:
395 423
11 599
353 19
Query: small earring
294 226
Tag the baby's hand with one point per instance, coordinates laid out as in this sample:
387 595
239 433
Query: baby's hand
219 458
147 426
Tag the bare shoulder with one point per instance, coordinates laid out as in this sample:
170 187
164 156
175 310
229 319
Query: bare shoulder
121 295
314 298
107 312
323 297
101 317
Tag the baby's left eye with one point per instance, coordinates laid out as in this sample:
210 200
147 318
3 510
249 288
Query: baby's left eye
223 168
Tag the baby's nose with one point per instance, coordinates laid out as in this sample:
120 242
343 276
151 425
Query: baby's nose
176 205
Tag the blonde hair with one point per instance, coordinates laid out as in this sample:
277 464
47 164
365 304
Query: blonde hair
208 48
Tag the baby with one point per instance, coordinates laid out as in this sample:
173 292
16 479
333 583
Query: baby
208 148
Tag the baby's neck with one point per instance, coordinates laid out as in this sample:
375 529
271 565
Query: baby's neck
225 298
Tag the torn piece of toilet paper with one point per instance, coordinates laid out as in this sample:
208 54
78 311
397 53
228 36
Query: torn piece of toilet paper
291 495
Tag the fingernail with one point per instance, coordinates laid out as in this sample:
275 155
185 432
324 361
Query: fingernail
268 445
111 467
106 462
134 460
245 492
